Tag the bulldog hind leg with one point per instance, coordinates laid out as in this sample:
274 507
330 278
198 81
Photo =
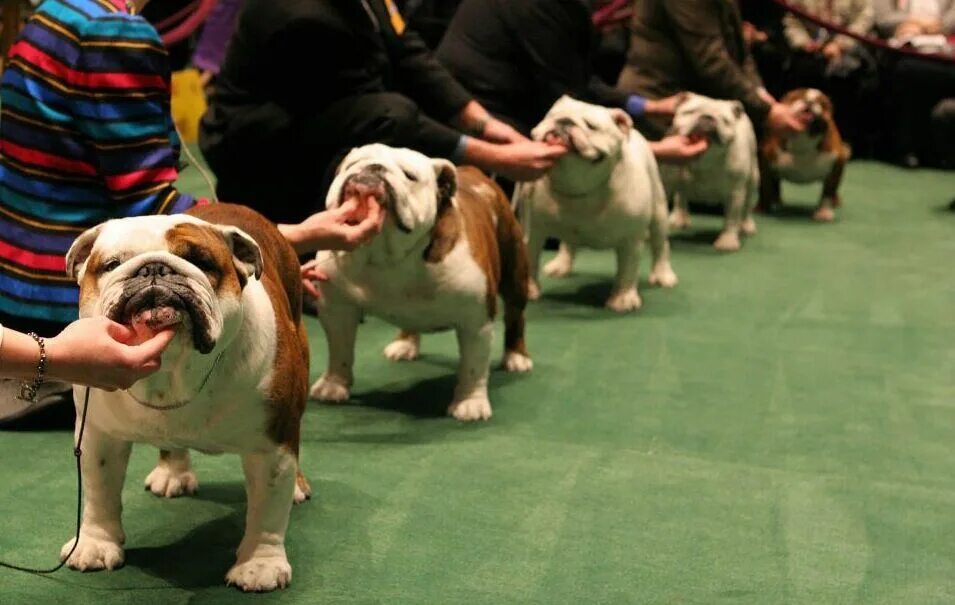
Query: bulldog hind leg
514 288
535 247
405 347
825 212
748 224
624 297
661 273
680 215
173 476
563 263
728 239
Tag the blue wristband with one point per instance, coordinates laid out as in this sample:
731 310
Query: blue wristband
457 156
636 106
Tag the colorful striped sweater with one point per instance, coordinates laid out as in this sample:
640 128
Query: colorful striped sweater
86 135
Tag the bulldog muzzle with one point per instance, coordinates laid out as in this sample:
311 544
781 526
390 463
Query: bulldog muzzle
367 183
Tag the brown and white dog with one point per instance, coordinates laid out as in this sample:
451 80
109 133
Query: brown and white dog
234 379
449 246
817 154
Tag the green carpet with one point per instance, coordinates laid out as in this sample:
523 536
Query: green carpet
778 429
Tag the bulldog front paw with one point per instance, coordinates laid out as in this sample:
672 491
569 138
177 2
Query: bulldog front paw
824 214
329 389
625 301
260 574
679 219
471 409
533 290
560 266
663 276
748 227
303 491
93 554
166 482
517 362
728 241
402 349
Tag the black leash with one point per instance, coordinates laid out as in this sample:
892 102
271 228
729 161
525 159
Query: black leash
77 452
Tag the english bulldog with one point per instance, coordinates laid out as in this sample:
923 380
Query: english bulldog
727 173
606 193
448 247
234 379
817 154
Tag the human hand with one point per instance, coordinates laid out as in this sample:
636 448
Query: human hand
782 119
811 47
103 354
497 131
832 51
679 149
908 29
526 161
752 34
665 107
341 228
311 274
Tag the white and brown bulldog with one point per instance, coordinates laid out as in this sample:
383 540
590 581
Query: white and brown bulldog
449 246
605 194
726 174
234 379
815 155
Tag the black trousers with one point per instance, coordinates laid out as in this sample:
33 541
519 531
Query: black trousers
919 85
286 176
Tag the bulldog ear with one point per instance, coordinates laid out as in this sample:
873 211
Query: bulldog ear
623 121
80 252
246 254
447 176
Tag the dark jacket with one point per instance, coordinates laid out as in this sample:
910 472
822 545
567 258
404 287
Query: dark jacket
694 45
519 56
291 59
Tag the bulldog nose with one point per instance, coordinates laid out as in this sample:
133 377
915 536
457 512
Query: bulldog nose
368 182
155 269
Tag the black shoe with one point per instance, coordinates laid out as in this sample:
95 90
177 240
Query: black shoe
951 206
910 160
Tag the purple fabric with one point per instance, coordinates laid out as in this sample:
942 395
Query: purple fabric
210 50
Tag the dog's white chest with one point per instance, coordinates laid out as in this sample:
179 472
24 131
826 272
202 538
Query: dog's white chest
418 295
802 162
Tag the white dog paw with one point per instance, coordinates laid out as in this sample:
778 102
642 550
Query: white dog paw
664 277
728 241
679 219
748 227
469 410
824 214
260 574
517 362
533 290
93 554
559 267
329 389
303 491
402 350
624 302
169 483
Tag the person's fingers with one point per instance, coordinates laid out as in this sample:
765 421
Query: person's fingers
119 332
310 288
152 348
553 152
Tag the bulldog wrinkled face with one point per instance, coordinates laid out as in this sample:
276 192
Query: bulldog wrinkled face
408 186
814 107
591 132
160 271
710 119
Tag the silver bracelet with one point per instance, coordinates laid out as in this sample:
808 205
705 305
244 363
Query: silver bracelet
29 390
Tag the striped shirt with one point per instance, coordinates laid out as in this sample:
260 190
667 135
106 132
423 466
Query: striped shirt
86 135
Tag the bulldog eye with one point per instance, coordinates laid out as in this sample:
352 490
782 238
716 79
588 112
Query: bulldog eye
201 259
411 176
110 265
590 125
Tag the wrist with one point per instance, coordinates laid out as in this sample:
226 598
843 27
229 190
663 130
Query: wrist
638 106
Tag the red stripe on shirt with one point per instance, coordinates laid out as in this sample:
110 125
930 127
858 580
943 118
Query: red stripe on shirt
43 159
139 178
45 262
111 80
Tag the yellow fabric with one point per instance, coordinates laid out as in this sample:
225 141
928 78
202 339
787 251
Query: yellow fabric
188 103
397 21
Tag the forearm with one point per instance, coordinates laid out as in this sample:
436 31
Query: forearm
301 242
19 354
473 118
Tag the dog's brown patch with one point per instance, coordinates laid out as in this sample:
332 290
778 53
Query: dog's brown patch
207 249
281 278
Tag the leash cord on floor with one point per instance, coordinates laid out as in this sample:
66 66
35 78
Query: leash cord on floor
77 452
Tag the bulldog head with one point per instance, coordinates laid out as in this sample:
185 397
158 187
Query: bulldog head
813 107
154 272
705 118
408 187
594 135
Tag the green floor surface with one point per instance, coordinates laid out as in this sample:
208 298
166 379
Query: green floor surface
778 429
